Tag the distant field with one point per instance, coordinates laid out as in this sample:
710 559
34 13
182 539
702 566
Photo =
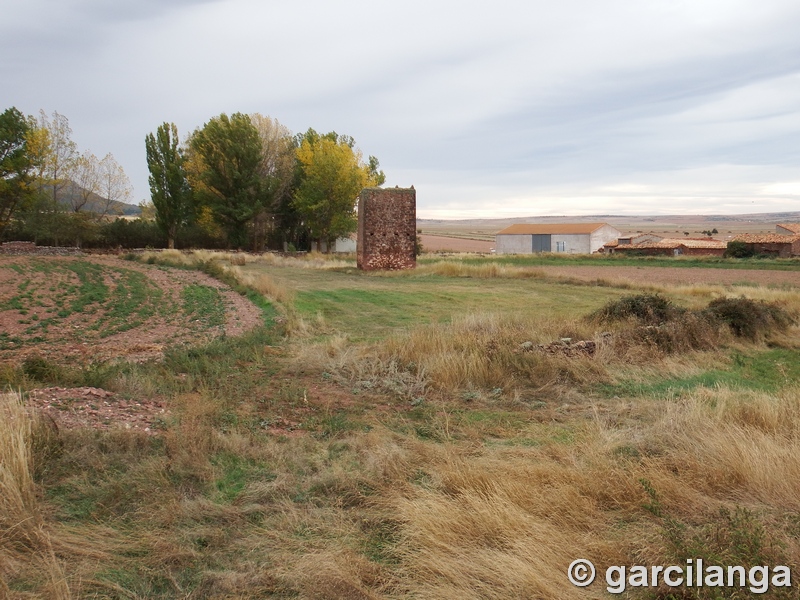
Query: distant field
454 243
667 226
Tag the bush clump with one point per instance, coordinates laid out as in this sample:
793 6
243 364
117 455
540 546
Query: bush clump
648 309
748 318
737 249
661 325
690 330
42 370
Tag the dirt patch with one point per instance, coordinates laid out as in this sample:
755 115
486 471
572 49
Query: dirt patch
83 310
98 409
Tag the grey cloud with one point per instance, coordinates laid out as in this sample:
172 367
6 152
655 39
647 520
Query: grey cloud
510 99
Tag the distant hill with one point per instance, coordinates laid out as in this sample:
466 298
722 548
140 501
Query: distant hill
96 203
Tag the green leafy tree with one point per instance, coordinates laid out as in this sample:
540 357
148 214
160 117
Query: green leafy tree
45 220
226 173
332 174
16 164
82 226
169 187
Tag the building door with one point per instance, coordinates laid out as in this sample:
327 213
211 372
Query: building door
541 242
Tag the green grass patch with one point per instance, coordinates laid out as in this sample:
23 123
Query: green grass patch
133 301
335 425
203 303
92 289
231 368
766 371
370 307
234 472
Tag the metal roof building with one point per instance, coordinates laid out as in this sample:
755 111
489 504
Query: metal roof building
570 238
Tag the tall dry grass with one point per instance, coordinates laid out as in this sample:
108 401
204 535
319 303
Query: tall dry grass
457 268
505 522
515 353
25 544
745 445
473 352
310 260
266 286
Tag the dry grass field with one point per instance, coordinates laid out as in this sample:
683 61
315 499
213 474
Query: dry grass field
462 431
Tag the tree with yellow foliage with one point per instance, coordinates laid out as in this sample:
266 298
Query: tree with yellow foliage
332 174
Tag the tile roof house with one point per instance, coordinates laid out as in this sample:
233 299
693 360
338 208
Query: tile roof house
676 247
631 240
782 246
570 238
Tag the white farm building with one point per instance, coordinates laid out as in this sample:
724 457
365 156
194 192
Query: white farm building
571 238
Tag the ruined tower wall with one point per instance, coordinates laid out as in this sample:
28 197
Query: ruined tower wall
387 228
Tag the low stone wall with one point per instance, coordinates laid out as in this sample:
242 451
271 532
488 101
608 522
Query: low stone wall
17 248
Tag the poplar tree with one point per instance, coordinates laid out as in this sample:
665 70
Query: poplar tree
169 187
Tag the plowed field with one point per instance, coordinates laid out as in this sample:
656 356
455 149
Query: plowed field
80 310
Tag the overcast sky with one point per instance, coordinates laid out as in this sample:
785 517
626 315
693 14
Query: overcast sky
502 108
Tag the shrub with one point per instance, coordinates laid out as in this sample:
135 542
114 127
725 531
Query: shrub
688 331
136 233
739 250
42 370
648 309
748 318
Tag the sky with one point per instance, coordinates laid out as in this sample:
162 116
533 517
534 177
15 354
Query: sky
490 109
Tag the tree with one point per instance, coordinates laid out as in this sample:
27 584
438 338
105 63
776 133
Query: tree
59 153
169 187
86 180
148 210
115 187
277 154
277 170
16 164
45 220
332 176
226 170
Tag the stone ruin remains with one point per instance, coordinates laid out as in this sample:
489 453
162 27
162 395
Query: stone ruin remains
387 228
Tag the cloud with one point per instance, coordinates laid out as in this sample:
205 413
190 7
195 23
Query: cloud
564 104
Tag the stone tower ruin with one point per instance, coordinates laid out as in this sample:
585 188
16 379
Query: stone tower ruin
387 228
